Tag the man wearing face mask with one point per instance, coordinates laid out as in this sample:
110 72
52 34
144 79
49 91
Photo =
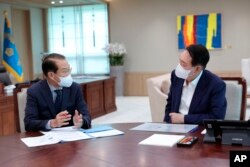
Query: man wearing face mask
195 93
55 101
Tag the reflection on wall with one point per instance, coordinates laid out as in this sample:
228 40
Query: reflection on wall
199 29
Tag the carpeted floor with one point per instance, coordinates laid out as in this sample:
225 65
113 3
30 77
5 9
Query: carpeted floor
129 109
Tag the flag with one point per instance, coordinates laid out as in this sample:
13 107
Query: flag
10 55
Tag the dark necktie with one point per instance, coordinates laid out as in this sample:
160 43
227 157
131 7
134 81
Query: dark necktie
58 101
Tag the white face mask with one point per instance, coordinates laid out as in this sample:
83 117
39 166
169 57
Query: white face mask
66 81
181 72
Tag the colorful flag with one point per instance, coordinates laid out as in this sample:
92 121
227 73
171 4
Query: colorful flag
10 55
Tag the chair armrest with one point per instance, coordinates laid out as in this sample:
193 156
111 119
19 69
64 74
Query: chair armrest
157 101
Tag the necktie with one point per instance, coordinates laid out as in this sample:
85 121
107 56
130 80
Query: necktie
58 101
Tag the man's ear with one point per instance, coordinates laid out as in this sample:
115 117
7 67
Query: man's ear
53 76
50 74
198 68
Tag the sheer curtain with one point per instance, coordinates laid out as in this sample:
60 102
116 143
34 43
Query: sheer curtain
80 33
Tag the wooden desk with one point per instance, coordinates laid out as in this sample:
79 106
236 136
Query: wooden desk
99 93
7 121
122 151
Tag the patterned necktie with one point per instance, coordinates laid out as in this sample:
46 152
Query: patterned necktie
58 101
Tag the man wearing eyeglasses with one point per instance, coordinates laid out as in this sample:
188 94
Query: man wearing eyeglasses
55 101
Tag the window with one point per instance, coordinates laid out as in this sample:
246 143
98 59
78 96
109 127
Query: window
80 33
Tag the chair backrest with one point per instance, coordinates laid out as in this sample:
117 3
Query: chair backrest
20 96
236 98
158 96
21 100
245 69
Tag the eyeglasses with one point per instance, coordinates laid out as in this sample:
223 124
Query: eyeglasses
65 71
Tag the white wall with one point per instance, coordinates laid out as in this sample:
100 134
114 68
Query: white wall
148 29
37 39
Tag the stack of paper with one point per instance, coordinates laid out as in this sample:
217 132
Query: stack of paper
70 134
40 140
55 136
162 140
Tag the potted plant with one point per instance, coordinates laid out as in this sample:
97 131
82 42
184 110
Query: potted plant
116 53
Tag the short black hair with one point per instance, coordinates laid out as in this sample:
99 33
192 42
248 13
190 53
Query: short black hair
199 54
48 64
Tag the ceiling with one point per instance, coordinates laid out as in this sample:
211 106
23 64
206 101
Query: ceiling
47 3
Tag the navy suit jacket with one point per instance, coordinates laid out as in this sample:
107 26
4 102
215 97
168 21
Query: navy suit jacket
40 107
208 102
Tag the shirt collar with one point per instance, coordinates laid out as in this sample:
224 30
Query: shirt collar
195 81
52 88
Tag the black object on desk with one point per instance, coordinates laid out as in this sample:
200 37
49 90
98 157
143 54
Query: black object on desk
230 132
187 141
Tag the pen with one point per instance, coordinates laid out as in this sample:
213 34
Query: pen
185 139
189 140
194 129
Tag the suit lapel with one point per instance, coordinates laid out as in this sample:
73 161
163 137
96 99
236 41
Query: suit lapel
46 93
198 93
178 92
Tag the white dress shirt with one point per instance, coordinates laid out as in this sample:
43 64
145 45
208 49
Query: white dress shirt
187 94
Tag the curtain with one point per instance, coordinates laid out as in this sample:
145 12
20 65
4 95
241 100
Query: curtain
80 33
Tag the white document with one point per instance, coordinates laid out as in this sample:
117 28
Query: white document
69 135
164 127
66 134
63 129
162 140
55 136
40 140
106 133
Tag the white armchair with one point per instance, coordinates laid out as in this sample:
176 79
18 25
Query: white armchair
236 98
158 88
21 100
245 70
20 96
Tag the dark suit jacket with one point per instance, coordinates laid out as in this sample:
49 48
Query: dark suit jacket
208 102
40 106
